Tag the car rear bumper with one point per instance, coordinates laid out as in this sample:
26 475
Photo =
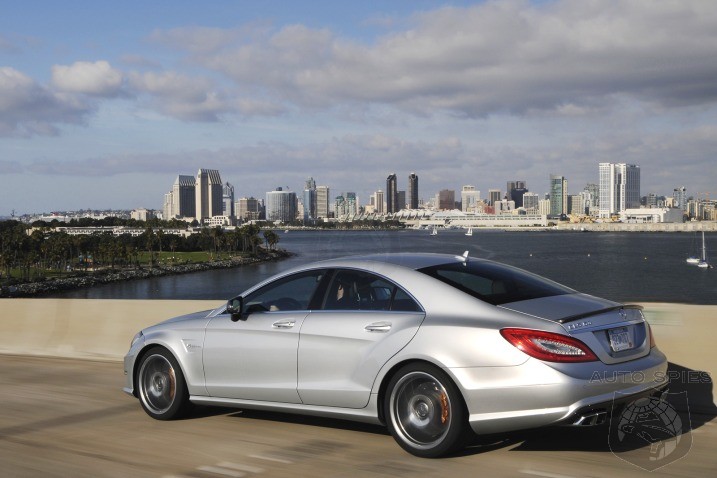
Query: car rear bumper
535 394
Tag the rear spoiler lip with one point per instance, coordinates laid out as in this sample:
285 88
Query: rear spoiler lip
573 318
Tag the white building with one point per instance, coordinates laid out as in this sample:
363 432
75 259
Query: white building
209 192
651 215
469 198
619 188
281 205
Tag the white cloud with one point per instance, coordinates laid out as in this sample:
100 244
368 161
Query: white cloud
89 78
27 108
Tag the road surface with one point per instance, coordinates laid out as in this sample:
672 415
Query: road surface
69 418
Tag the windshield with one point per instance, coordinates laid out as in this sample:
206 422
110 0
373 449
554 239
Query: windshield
495 283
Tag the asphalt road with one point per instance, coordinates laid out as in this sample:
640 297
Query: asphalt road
69 418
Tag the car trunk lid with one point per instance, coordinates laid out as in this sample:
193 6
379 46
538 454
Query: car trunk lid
615 332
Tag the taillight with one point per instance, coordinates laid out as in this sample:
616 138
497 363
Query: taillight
549 346
652 336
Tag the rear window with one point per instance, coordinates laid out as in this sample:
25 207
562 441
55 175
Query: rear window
495 283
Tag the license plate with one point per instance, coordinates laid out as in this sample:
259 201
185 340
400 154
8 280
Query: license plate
619 339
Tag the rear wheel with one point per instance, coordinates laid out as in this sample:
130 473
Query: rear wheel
425 411
161 386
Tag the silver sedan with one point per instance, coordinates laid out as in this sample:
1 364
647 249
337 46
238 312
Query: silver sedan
434 346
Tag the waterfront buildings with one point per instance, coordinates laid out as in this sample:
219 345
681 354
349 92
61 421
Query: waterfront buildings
446 199
469 198
322 202
558 195
228 202
309 201
619 188
412 191
209 193
530 203
248 209
181 200
493 196
380 202
392 194
515 191
281 206
679 196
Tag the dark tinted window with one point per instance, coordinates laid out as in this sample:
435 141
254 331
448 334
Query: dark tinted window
359 290
289 293
495 283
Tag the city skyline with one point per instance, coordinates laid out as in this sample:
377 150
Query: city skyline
104 112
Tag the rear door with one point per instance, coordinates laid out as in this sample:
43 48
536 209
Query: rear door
362 322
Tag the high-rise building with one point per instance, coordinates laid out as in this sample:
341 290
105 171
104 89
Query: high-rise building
392 194
576 204
594 191
493 196
309 201
544 207
248 209
469 198
679 196
281 206
530 203
558 195
209 192
322 202
412 191
446 199
228 201
181 200
514 192
619 188
402 200
380 202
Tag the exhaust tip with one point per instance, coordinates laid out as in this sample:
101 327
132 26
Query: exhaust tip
590 419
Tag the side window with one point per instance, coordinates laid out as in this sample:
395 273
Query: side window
358 290
290 293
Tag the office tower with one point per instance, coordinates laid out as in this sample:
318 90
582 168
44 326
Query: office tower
181 200
281 206
392 194
351 203
309 201
412 191
679 196
530 203
515 191
576 204
493 196
558 195
544 207
594 191
339 206
248 209
447 199
469 198
209 193
619 188
380 202
228 200
322 202
401 200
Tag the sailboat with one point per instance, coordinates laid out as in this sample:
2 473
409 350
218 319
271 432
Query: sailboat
693 259
703 262
469 232
434 232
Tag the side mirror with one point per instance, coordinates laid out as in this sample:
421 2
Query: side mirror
234 308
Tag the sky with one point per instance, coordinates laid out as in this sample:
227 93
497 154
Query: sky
103 104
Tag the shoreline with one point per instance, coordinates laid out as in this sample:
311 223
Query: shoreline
41 288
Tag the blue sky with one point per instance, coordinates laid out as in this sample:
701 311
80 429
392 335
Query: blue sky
103 104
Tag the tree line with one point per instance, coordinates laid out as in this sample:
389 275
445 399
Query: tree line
46 250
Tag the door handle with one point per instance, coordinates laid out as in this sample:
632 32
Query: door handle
283 324
378 327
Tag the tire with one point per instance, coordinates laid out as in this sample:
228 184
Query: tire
425 412
161 386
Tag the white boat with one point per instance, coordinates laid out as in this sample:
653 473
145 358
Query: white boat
703 261
434 232
469 232
693 259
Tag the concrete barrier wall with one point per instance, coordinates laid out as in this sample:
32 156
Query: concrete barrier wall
103 329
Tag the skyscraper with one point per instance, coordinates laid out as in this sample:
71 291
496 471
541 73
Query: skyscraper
530 203
248 209
209 193
392 194
228 200
679 196
558 195
380 202
619 188
446 199
181 200
281 206
322 202
493 196
309 201
412 191
469 198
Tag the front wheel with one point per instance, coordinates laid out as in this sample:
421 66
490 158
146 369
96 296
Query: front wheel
425 411
162 390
